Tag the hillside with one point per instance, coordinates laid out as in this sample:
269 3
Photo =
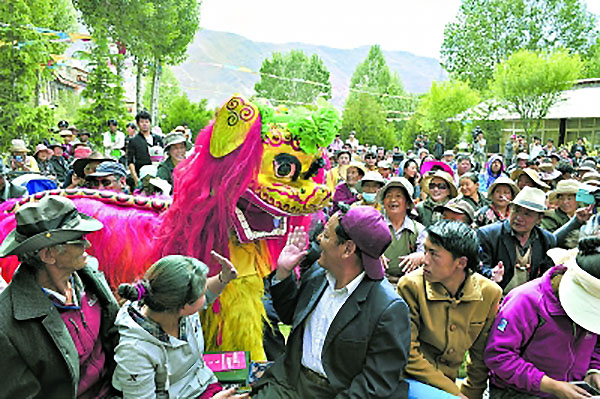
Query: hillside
200 80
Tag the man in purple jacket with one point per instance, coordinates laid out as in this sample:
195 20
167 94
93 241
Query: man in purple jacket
546 332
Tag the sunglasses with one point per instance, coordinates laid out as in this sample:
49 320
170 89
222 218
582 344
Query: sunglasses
441 186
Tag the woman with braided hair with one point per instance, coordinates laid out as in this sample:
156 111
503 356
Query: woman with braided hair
161 343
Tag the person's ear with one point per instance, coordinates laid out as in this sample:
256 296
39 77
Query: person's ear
349 249
462 262
47 256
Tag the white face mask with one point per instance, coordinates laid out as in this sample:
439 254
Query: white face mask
369 198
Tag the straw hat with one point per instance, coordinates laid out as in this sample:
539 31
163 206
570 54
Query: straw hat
41 147
579 295
18 145
569 186
358 165
533 175
548 173
503 180
531 198
445 177
400 182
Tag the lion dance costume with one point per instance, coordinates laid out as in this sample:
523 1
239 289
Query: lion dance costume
253 175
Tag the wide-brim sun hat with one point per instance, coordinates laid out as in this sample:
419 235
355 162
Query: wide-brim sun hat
531 198
161 184
533 175
579 295
79 165
18 145
569 186
358 165
41 147
503 180
51 221
400 182
445 177
373 176
176 137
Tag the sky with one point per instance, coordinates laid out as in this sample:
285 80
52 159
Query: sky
416 26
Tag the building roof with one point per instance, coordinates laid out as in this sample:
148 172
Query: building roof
579 102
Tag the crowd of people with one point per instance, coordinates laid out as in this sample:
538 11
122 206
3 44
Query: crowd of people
427 262
140 162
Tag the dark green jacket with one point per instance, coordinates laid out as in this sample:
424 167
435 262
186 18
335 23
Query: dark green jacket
165 170
426 210
39 358
556 218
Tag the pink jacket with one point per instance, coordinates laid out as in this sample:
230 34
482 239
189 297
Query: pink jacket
532 336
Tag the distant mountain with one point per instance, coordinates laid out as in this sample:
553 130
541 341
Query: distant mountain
200 78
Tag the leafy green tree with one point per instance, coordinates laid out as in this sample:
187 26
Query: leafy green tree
529 83
365 116
436 109
373 79
103 93
181 110
282 75
24 53
486 32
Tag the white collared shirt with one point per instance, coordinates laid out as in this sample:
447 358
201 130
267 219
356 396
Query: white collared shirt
319 321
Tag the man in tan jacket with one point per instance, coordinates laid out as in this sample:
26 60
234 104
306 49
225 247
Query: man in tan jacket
452 309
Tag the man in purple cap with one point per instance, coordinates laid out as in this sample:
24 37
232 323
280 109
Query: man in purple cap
350 330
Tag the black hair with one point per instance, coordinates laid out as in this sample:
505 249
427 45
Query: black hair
565 167
169 284
412 180
471 176
588 257
458 239
63 124
131 125
462 157
112 122
143 114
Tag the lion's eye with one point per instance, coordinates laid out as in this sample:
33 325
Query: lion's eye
286 166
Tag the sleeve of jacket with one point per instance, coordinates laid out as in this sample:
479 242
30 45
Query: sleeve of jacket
418 367
135 373
595 360
17 379
387 355
477 371
486 252
514 325
131 151
285 296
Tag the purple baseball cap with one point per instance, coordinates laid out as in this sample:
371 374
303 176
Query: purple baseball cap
368 229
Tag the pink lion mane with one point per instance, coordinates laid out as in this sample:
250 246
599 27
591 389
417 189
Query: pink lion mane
205 195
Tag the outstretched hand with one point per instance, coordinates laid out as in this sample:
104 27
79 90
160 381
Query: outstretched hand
293 252
584 214
228 271
498 272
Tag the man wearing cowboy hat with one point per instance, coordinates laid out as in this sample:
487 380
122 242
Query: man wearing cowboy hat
350 335
565 197
518 245
459 210
57 333
452 308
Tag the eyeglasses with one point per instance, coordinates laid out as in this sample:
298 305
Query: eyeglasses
441 186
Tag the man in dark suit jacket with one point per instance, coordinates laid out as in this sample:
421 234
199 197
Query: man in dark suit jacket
350 330
517 247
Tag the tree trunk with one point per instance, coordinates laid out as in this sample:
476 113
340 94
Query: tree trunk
138 85
155 90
